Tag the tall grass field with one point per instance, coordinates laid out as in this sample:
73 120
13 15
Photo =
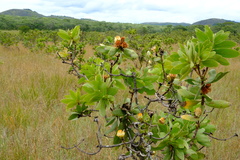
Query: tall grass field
34 123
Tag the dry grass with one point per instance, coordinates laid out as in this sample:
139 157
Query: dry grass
33 122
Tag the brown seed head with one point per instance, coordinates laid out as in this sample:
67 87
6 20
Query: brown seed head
206 88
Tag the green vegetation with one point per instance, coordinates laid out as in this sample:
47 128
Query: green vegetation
160 110
147 88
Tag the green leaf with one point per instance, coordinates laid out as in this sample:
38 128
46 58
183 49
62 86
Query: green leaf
75 33
118 112
104 49
73 117
221 60
212 74
203 139
135 111
113 127
181 143
177 69
63 34
113 51
206 54
218 104
185 71
227 53
220 37
161 145
210 128
110 121
130 53
210 63
179 153
190 152
87 87
209 33
119 84
102 107
217 77
186 94
116 140
225 44
201 35
112 91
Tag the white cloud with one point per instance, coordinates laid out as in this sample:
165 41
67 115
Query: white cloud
134 11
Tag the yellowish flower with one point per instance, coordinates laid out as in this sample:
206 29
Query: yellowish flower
120 133
162 120
140 116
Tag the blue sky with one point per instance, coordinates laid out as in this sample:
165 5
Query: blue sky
133 11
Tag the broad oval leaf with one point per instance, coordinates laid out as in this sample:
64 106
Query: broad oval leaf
218 104
227 53
130 53
186 94
113 51
210 63
221 60
225 44
63 34
201 35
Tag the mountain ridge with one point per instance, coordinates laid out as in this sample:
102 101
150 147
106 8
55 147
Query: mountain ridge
29 12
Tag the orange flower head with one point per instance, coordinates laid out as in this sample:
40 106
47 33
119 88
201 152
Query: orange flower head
120 42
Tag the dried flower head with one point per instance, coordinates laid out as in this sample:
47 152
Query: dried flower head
120 42
198 112
206 88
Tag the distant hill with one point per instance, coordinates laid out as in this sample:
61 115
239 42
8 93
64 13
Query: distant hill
61 17
166 23
30 13
211 21
22 12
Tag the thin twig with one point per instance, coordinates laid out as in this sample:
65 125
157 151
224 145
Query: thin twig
225 139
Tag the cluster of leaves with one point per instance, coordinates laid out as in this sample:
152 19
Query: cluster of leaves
170 120
8 39
37 40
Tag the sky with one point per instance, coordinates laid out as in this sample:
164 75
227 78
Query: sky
132 11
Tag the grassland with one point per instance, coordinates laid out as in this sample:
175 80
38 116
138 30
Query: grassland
33 122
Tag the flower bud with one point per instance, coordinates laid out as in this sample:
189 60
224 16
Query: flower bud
198 112
140 117
162 120
106 77
120 133
117 38
171 77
